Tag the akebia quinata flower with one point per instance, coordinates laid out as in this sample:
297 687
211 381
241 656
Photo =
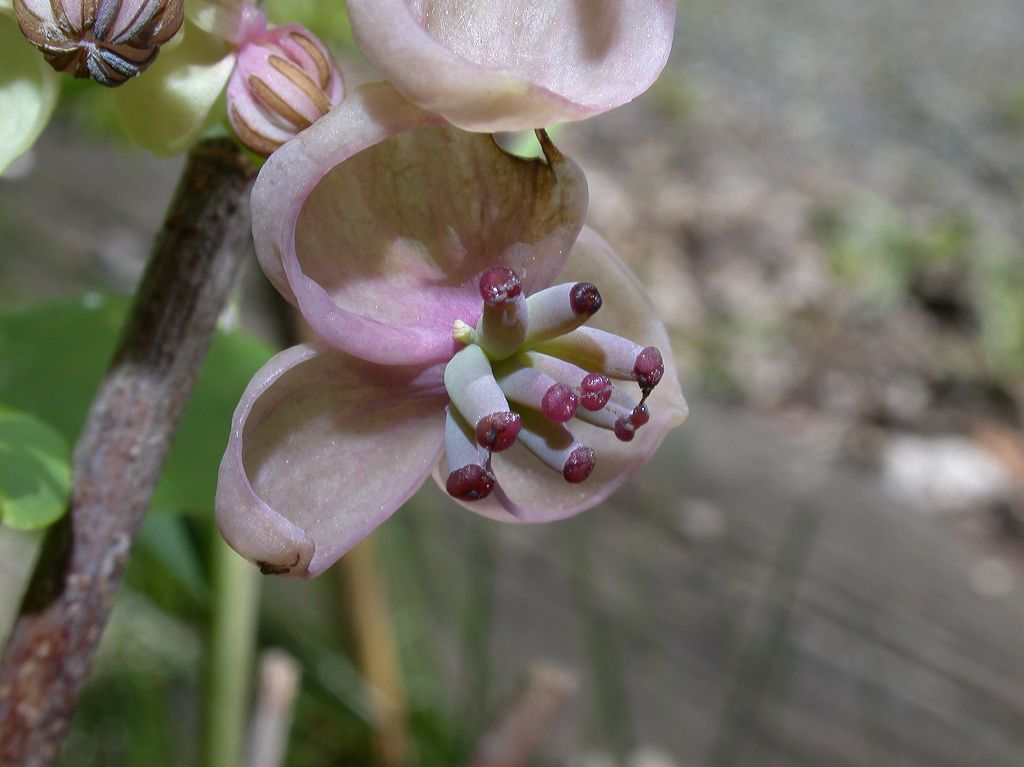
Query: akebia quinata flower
469 328
109 41
284 80
281 80
505 65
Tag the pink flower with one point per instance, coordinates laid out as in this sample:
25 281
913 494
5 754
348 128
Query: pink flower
504 65
284 80
453 289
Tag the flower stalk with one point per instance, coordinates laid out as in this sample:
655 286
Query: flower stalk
117 461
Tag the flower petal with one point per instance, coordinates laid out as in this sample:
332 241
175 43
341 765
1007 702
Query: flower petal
323 448
165 110
377 224
28 93
502 65
534 493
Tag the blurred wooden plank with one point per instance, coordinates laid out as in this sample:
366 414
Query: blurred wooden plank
825 625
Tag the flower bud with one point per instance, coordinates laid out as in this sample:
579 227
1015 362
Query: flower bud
284 81
107 40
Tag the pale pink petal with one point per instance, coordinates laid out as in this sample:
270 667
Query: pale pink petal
377 224
323 448
534 492
501 65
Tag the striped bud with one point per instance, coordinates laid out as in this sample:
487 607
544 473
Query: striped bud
107 40
284 81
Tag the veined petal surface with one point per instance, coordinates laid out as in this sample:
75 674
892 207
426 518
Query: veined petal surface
28 91
533 493
377 222
323 448
502 65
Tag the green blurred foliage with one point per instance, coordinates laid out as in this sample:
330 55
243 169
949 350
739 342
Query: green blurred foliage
881 252
328 21
35 471
53 356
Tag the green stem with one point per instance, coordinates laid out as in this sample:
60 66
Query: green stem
229 655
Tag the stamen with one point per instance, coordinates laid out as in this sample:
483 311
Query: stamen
470 483
560 403
536 390
469 474
610 354
581 463
560 309
498 431
640 415
478 398
595 391
557 448
499 285
503 325
621 415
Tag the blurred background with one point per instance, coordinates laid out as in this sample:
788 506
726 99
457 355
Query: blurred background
823 566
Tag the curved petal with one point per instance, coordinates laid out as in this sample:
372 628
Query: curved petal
535 493
323 448
503 65
377 223
166 110
28 93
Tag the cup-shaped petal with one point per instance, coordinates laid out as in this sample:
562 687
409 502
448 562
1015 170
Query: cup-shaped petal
528 491
323 448
500 65
377 223
284 81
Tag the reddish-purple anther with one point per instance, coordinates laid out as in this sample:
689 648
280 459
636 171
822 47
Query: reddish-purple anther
625 429
595 391
649 368
640 415
560 403
584 298
580 464
498 285
498 431
470 483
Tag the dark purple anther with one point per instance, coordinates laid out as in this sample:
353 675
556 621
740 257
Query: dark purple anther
595 391
498 285
584 298
560 403
470 483
498 431
625 430
640 416
649 369
580 464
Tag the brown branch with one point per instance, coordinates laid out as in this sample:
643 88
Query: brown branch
511 741
118 458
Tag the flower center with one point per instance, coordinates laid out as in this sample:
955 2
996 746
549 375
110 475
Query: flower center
527 369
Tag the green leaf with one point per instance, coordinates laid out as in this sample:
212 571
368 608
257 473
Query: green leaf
28 92
53 356
35 471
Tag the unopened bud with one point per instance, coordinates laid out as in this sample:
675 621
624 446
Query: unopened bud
284 81
107 40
